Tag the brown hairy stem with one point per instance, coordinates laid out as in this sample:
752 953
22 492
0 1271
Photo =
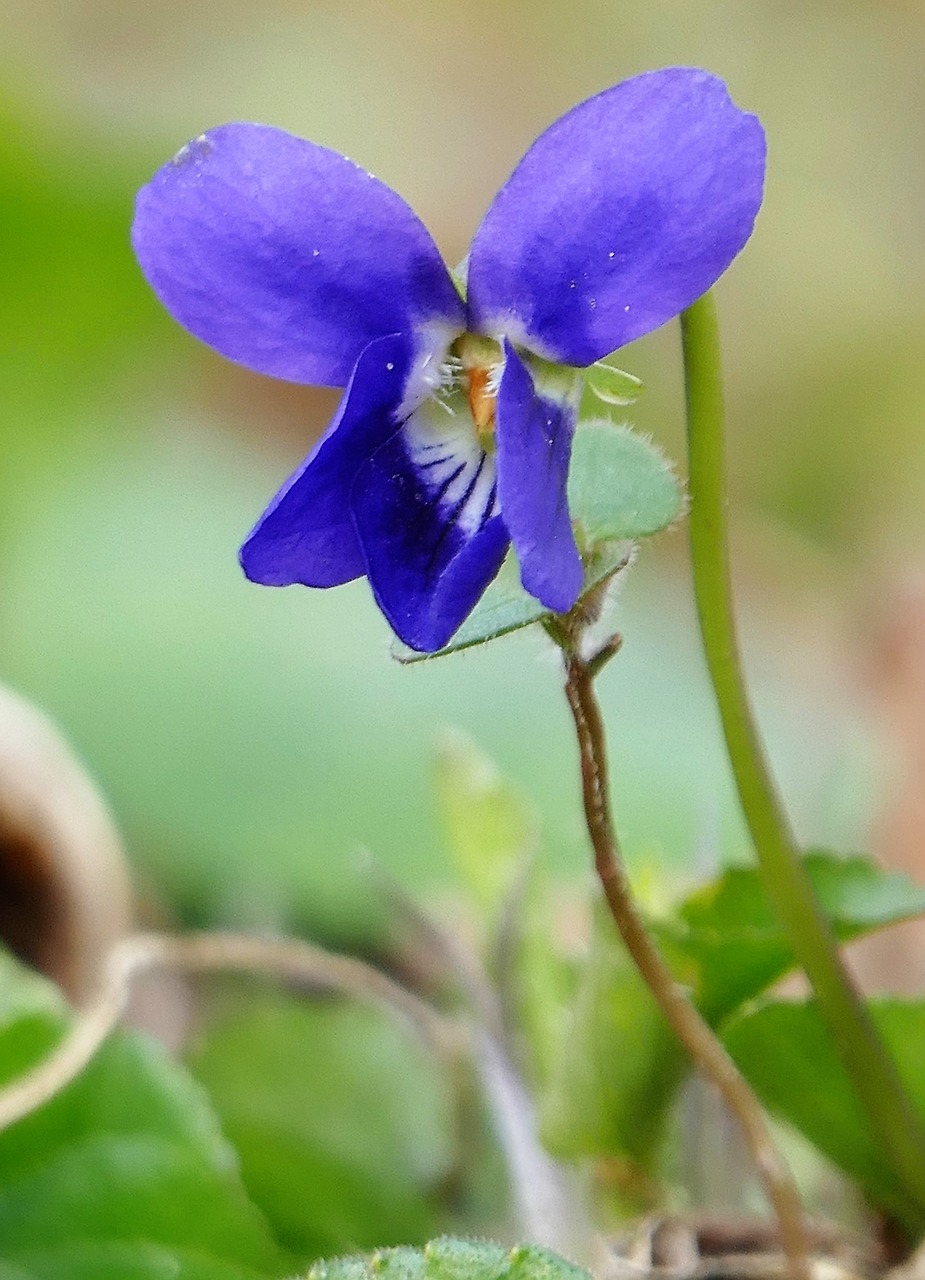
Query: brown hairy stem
703 1046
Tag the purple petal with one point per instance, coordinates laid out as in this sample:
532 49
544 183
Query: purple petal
425 506
534 437
285 256
307 534
620 215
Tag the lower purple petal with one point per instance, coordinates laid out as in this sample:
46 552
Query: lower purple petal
431 536
307 535
534 436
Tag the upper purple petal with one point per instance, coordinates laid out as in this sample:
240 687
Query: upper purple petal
618 217
307 534
285 256
534 443
425 507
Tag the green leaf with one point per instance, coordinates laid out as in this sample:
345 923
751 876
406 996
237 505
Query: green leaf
342 1123
536 974
726 941
138 1261
452 1259
789 1057
619 485
488 826
620 1064
128 1153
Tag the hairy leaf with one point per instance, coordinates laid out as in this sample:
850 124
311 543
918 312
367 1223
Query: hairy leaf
451 1259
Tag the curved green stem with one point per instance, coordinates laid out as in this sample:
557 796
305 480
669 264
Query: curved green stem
892 1118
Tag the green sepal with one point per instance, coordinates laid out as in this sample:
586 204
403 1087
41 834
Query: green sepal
612 385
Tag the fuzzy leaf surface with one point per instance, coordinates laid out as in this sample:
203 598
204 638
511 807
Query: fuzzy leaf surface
451 1259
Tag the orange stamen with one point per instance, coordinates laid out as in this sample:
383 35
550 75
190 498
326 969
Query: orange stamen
481 399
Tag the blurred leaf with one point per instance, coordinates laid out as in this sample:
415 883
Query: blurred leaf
620 1064
536 976
787 1054
620 486
488 826
451 1259
728 943
139 1261
129 1153
342 1124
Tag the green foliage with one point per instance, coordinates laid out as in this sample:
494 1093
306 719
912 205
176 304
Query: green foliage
343 1126
137 1261
492 836
488 827
450 1259
788 1056
727 943
620 486
620 1064
124 1171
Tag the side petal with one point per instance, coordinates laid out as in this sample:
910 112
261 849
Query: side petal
426 512
534 438
285 256
307 534
620 215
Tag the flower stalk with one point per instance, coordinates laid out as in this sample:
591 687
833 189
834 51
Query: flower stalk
892 1117
692 1030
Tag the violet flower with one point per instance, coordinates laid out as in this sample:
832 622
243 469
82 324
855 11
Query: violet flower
454 434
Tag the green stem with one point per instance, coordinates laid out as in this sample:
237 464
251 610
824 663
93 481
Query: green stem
892 1118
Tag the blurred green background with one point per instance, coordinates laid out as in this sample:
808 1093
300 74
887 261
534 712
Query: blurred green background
252 741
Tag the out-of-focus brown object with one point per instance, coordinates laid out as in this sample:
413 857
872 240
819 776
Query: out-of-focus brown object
693 1248
895 961
65 894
